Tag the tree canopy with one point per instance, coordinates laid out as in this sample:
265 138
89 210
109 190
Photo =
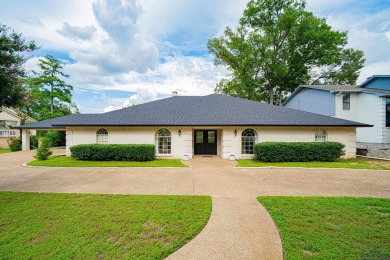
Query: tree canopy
14 51
48 95
278 46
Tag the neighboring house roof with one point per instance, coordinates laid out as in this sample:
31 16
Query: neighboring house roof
342 89
18 114
211 110
372 78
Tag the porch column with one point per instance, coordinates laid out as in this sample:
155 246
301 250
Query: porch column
25 139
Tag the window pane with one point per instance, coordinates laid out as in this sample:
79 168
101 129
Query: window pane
211 137
346 102
248 140
199 137
163 140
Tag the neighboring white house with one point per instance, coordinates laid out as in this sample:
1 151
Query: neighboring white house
201 125
10 118
366 103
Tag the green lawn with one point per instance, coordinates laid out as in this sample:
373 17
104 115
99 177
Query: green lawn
86 226
332 227
358 163
2 150
64 161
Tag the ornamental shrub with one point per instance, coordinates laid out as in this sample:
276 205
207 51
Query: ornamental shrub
299 151
15 144
113 152
43 151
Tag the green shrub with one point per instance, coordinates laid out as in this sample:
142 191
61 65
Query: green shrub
113 152
299 151
15 144
33 142
43 151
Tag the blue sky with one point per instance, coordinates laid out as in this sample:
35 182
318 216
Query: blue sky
122 52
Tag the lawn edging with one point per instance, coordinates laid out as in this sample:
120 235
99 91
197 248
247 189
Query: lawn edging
68 162
353 164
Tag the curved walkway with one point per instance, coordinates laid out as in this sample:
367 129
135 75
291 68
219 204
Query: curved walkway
239 227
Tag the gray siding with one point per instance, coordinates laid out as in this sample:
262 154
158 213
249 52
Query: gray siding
315 101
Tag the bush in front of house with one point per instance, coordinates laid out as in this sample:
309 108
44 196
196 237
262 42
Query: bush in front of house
43 151
15 144
299 151
113 152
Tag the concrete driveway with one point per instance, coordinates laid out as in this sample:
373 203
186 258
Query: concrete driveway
239 227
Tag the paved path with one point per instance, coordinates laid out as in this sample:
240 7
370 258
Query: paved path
239 227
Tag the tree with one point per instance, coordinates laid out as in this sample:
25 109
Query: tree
48 96
48 83
278 46
13 54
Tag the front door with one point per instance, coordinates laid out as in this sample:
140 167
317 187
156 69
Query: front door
205 141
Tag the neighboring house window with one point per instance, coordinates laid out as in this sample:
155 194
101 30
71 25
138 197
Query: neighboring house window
387 112
102 136
248 140
163 141
320 135
346 101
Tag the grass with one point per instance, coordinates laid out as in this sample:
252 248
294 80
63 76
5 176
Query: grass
332 227
3 150
65 161
358 163
91 226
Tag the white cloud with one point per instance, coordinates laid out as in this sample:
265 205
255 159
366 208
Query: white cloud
110 108
77 32
143 95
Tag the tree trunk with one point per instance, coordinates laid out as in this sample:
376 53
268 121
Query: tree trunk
51 99
271 95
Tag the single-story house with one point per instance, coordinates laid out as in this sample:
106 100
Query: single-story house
9 118
201 125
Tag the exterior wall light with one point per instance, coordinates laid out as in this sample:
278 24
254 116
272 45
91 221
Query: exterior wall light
179 132
235 132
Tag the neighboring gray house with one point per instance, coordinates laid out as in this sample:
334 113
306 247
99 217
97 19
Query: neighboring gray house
367 103
201 125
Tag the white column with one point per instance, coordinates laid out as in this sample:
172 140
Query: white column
25 139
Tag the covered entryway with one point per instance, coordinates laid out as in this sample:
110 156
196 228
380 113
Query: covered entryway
205 142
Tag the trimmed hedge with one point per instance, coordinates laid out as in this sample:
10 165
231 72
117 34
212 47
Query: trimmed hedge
299 151
113 152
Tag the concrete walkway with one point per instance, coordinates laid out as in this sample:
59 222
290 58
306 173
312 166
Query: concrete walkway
239 227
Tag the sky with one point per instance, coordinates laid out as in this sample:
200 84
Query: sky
123 52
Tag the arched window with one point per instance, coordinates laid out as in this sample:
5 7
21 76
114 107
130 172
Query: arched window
102 136
163 141
320 135
248 140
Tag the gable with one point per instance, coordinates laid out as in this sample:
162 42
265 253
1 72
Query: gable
377 82
313 100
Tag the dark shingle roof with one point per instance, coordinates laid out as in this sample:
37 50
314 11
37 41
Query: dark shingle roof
211 110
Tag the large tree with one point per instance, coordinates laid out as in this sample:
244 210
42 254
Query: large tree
48 94
14 51
277 46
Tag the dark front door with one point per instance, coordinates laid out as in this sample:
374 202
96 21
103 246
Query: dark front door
205 141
